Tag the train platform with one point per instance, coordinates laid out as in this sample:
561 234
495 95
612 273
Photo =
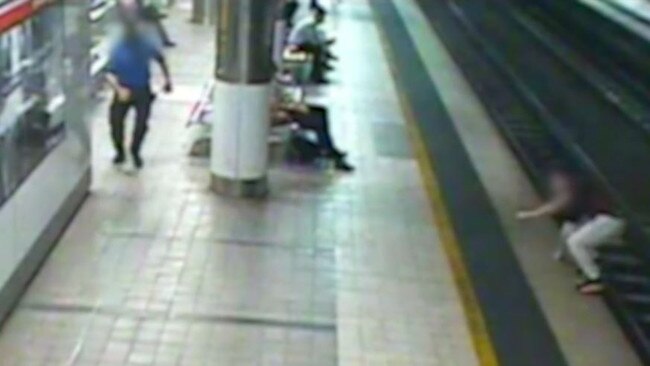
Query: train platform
416 258
632 14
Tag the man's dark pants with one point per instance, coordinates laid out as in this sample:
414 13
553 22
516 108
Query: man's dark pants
141 101
317 120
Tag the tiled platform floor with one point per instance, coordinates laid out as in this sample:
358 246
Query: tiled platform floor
331 269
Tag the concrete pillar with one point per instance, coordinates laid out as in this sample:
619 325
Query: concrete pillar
213 11
244 69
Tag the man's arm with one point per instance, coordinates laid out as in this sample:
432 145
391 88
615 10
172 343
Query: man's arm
162 62
321 38
123 94
279 116
112 81
550 208
295 107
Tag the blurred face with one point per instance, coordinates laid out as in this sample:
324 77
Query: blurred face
559 183
132 28
129 3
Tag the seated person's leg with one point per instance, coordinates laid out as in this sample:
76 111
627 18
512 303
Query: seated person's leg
317 120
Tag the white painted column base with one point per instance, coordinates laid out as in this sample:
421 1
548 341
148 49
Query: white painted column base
239 151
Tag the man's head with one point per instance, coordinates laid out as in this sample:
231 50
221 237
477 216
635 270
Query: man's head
131 28
319 15
289 10
563 177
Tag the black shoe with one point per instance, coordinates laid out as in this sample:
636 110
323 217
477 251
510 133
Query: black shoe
137 161
338 154
591 287
119 158
170 44
334 154
343 166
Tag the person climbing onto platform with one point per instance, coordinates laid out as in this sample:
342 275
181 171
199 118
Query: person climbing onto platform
587 222
129 76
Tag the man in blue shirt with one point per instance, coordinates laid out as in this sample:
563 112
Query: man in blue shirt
129 75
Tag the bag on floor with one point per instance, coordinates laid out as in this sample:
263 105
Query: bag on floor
302 149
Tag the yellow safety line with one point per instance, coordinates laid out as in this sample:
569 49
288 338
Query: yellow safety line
481 339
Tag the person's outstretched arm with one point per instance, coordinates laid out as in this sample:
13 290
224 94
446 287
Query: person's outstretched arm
550 208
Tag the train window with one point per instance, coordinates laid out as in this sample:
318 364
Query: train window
5 62
31 83
10 101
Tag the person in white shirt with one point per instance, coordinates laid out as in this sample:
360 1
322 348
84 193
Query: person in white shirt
306 32
307 36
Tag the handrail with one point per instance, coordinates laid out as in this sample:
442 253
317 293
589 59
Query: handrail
200 105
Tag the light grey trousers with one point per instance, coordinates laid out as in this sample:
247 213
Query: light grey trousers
581 241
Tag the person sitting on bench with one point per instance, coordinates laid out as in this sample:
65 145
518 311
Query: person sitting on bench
307 37
587 222
309 118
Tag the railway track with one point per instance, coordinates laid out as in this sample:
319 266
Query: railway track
564 83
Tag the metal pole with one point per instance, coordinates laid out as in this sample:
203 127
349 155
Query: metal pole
213 11
198 11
